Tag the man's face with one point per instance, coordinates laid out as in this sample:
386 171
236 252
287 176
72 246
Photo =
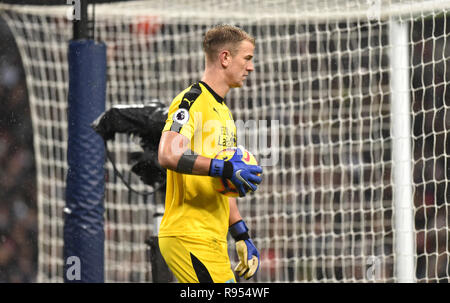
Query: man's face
241 64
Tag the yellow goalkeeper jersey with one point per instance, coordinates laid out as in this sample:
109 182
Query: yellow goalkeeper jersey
193 207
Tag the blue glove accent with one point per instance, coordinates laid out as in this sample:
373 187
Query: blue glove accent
240 174
252 251
238 229
216 168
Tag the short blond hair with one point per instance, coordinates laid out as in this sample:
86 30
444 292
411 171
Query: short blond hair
224 36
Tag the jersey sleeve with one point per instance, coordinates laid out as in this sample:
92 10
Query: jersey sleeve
180 118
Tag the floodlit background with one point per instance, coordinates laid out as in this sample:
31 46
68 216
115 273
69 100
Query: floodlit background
430 80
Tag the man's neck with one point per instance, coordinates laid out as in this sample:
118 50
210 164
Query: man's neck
216 83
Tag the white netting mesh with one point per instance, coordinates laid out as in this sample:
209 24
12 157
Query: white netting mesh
325 211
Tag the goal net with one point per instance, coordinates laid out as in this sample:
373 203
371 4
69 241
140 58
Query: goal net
354 190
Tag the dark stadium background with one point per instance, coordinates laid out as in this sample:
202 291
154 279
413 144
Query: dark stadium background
18 213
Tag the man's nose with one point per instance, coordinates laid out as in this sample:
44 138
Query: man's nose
250 67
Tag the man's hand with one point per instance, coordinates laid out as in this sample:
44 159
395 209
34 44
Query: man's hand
242 175
248 254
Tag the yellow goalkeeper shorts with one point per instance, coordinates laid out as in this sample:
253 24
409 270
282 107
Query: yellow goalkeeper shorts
197 260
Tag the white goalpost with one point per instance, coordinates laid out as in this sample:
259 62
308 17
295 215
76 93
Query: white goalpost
401 150
354 96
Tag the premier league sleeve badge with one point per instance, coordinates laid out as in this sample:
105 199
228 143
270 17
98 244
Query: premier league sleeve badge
181 116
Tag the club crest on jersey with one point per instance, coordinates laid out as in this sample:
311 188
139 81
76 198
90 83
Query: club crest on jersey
181 116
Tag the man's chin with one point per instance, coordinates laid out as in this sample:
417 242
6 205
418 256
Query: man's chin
236 85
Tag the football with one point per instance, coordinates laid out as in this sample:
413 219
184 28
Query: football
225 186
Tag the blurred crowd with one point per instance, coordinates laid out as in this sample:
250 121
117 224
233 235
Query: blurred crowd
18 215
431 145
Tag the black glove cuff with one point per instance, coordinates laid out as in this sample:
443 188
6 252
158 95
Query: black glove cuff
239 231
244 236
227 170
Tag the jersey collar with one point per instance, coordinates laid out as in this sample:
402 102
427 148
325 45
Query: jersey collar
215 95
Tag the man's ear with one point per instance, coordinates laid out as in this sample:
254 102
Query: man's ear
225 58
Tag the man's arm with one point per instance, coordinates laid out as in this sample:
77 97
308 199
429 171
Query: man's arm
235 215
174 153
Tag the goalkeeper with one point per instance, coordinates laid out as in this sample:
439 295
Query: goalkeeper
193 231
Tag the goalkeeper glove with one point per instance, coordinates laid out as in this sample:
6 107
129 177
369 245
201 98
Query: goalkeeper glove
246 250
240 174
